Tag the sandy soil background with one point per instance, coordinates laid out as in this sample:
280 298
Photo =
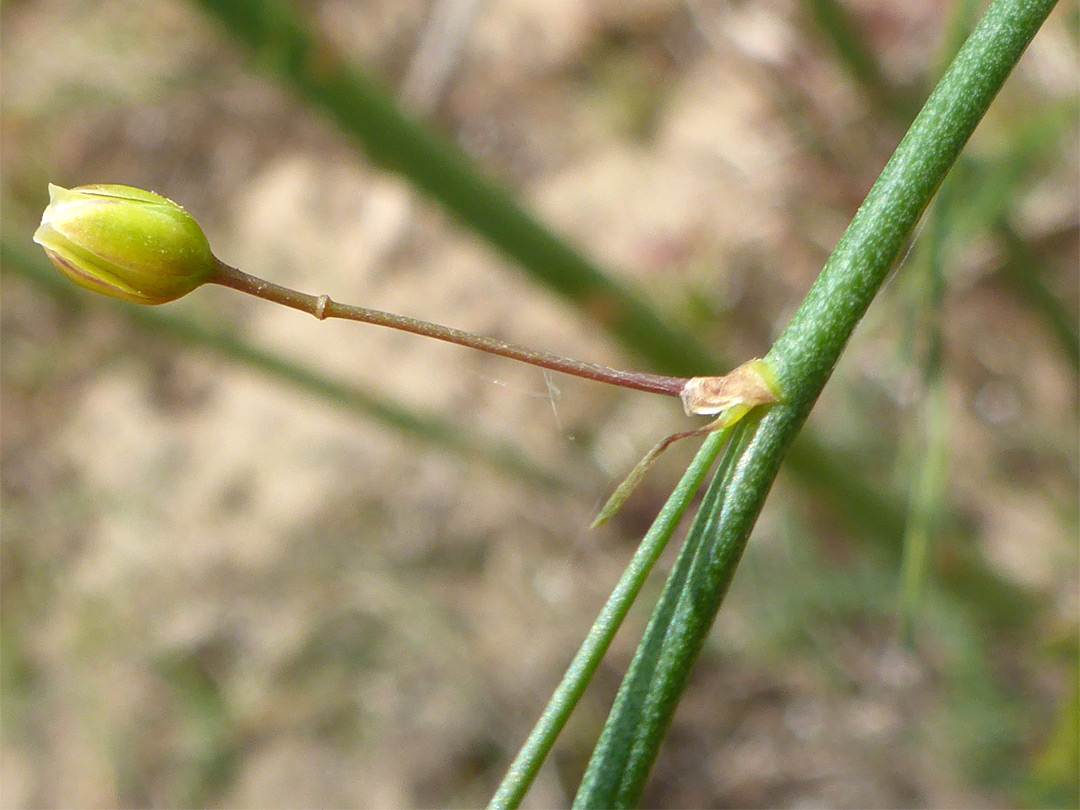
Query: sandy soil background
219 590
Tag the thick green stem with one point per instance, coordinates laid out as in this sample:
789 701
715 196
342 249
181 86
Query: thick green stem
804 357
614 757
809 348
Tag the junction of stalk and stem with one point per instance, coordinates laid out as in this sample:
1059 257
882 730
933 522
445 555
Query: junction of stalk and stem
728 397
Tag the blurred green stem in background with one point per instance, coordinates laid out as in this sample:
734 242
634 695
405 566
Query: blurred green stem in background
835 22
928 476
999 183
928 488
1020 267
1054 783
805 355
282 43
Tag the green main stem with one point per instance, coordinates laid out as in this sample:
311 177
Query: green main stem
804 356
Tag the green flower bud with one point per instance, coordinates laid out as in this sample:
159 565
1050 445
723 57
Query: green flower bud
125 243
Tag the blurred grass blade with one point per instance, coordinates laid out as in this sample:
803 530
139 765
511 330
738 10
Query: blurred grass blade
835 22
927 503
566 696
160 322
1021 270
928 483
281 41
1053 781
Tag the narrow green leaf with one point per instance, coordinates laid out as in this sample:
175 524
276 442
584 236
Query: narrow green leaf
536 748
605 776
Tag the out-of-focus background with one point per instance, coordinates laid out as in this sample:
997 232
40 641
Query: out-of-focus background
227 582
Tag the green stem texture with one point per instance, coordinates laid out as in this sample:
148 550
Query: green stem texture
804 356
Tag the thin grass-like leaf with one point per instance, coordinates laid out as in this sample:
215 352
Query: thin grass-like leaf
614 756
525 766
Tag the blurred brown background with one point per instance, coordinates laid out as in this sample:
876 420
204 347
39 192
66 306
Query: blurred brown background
219 590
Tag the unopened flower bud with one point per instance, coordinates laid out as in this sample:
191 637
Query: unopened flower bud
125 243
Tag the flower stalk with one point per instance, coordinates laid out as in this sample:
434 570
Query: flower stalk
143 248
323 307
